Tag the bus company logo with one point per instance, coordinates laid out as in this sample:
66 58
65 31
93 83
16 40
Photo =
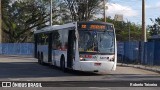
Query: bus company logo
94 57
6 84
87 56
104 58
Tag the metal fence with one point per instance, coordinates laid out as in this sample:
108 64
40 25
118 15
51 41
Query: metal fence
17 48
139 52
156 53
128 52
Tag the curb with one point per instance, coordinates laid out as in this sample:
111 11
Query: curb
141 67
23 56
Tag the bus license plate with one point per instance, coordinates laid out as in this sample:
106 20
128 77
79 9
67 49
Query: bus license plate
97 64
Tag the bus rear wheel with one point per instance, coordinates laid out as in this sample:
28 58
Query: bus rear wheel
41 60
62 64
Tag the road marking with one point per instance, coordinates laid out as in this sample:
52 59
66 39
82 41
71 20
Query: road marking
14 79
99 88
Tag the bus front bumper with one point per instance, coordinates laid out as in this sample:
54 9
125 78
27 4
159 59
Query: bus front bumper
94 66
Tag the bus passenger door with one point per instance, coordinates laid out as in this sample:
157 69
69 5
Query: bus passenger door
35 45
49 47
71 48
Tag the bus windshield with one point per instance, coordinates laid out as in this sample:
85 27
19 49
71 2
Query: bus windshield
96 41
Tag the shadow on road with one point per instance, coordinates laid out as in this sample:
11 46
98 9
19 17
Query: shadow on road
77 73
27 69
33 69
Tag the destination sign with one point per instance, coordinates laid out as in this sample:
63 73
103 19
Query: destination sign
92 27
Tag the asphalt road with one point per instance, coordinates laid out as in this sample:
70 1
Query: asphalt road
14 68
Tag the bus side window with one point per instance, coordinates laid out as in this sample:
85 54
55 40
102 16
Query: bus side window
56 42
44 39
65 39
66 45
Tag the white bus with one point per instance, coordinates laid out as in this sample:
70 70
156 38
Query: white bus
83 46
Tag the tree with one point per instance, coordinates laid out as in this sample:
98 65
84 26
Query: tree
20 18
155 28
83 10
61 14
122 30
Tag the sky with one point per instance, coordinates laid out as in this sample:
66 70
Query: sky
132 10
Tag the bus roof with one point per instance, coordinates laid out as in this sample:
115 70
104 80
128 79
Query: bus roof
57 27
69 26
94 22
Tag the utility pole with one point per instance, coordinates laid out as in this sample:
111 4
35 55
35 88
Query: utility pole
104 6
0 23
129 32
143 22
86 13
51 13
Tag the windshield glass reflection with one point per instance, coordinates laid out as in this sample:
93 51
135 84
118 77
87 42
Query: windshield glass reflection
99 42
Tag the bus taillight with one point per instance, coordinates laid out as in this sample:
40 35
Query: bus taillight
97 64
82 59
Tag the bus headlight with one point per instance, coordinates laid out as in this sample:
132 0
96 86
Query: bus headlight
82 59
112 59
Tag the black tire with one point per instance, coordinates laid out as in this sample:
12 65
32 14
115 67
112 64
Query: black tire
62 64
41 60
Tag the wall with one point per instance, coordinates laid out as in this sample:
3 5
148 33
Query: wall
17 48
